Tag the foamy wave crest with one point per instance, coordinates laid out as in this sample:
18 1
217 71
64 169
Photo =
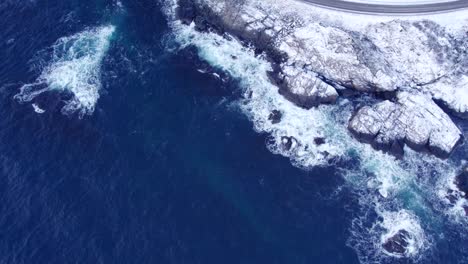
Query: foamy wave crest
393 193
74 66
261 98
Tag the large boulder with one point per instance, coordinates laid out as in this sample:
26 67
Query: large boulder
413 119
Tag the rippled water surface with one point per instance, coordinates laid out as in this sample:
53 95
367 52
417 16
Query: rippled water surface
119 144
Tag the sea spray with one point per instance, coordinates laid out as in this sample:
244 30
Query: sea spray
75 67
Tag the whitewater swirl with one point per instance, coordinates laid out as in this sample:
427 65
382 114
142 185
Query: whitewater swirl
73 66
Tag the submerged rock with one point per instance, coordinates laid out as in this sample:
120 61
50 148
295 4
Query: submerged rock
288 142
462 182
414 120
275 116
319 141
398 243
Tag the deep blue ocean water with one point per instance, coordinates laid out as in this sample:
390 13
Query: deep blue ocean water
164 170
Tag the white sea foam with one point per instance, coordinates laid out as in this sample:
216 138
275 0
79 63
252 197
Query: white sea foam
397 192
37 109
74 67
449 199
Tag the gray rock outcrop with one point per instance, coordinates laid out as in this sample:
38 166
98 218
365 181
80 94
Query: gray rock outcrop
414 120
305 88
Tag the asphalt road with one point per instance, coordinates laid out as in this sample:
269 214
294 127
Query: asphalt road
390 9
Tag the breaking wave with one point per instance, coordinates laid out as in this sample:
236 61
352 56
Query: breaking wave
394 195
73 66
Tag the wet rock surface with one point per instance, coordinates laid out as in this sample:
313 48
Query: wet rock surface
319 141
398 243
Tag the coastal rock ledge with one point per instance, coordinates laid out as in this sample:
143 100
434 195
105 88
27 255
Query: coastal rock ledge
317 58
414 120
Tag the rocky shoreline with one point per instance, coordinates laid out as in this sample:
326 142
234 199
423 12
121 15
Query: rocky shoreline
315 63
